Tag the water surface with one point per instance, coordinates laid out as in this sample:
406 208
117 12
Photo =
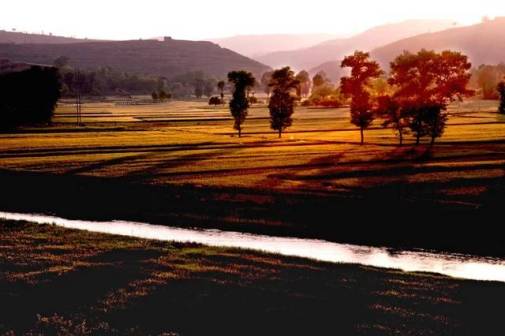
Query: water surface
454 265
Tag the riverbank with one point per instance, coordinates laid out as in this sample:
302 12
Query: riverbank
380 216
85 283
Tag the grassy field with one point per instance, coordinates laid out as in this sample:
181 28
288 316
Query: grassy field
181 163
56 281
190 142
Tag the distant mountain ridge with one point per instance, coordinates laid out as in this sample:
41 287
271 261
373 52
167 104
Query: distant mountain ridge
336 49
167 58
258 45
483 43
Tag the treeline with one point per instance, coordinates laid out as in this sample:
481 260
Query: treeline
108 81
28 96
485 80
412 99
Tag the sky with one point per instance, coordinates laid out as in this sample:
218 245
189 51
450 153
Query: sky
202 19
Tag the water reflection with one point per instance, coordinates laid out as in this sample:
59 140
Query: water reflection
466 267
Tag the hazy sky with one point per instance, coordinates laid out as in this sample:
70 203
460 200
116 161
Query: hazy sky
199 19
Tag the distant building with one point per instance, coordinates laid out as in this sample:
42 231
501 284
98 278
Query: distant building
167 38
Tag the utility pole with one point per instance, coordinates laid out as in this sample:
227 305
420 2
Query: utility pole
78 103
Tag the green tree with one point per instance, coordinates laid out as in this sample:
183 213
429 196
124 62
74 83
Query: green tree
282 102
239 104
363 71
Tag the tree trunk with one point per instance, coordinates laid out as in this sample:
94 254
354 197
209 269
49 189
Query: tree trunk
239 131
432 140
280 133
400 132
418 138
362 136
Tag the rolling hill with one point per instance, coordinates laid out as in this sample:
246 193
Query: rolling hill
335 50
167 58
24 38
484 43
258 45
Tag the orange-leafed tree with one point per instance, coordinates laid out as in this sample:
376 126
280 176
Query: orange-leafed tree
425 84
356 86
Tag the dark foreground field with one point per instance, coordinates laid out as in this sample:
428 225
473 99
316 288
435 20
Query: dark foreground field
55 281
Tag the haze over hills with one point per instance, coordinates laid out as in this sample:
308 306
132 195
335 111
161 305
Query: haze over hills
332 70
484 43
167 58
259 45
336 49
23 38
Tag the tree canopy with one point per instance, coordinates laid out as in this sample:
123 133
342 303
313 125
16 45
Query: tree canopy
363 71
239 104
282 102
29 96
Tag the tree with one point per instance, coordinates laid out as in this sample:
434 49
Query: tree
426 83
154 95
16 108
501 91
220 86
163 95
304 85
394 116
363 70
320 79
282 102
265 82
215 100
239 104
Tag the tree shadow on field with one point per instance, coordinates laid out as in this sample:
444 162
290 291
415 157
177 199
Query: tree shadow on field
151 168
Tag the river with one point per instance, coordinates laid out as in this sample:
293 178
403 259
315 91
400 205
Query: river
454 265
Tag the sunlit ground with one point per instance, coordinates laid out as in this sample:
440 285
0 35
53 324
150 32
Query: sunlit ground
191 142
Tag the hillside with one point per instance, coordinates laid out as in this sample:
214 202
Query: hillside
332 69
165 58
24 38
484 43
258 45
335 50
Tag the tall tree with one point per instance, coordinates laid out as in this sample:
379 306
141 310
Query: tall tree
282 102
426 83
304 85
363 71
220 86
239 104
